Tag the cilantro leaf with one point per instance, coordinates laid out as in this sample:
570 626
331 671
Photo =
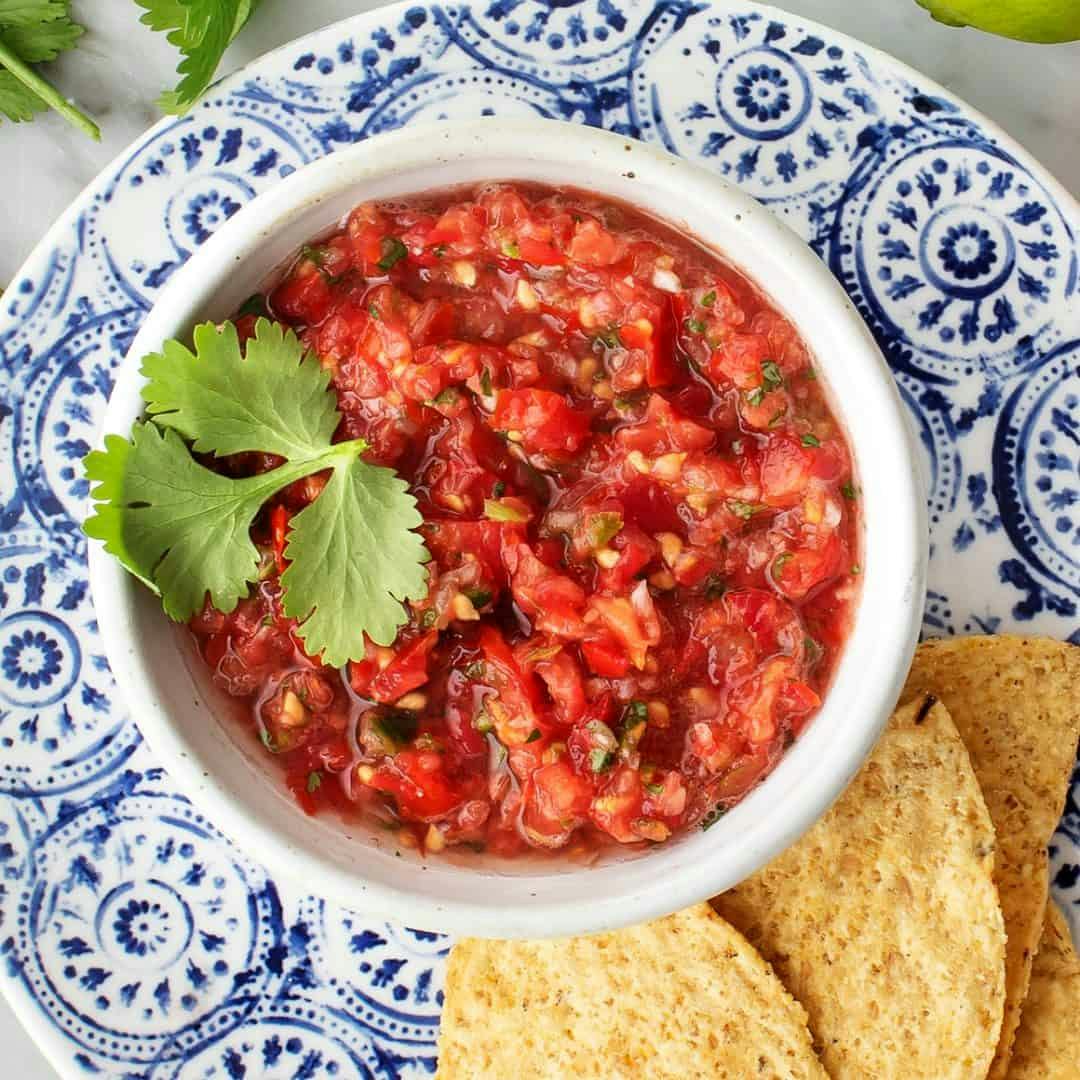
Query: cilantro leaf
38 44
176 524
26 13
349 548
271 398
185 530
18 102
202 30
32 31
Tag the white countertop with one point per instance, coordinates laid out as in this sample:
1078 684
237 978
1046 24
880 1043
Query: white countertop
1031 91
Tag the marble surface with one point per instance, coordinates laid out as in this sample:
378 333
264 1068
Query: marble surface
1031 91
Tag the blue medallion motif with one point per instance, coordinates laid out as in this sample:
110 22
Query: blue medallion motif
154 948
31 659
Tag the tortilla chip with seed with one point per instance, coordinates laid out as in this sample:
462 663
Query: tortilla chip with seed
883 920
681 997
1047 1043
1016 704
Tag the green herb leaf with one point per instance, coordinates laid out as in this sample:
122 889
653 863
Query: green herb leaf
756 396
479 598
18 102
810 440
742 509
534 735
602 527
314 782
448 396
779 563
544 652
28 13
848 490
772 376
708 299
184 529
31 32
354 560
715 587
497 510
201 30
600 760
271 398
393 251
398 726
695 326
175 524
36 43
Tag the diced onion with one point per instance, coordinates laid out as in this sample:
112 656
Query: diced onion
666 281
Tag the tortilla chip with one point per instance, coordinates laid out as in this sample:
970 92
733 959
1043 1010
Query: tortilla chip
883 920
684 996
1016 704
1047 1043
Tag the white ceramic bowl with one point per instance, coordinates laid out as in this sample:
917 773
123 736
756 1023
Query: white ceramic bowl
236 784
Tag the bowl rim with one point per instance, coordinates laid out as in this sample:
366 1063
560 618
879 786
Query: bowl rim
901 586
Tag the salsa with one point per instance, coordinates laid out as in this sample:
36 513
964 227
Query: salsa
640 510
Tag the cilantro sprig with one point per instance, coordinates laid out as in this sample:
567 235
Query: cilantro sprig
184 530
201 30
37 31
34 32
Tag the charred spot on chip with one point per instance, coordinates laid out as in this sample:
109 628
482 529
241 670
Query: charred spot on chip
924 710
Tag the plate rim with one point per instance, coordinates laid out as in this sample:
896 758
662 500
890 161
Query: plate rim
47 1037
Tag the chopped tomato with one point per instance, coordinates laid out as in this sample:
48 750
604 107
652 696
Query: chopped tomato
304 295
555 601
562 677
279 526
785 471
605 656
541 420
418 782
663 430
593 245
387 675
738 360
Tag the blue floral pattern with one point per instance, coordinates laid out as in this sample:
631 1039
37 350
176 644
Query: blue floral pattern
761 93
968 251
152 946
31 659
206 212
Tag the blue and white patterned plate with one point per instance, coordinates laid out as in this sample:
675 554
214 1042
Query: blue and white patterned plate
136 942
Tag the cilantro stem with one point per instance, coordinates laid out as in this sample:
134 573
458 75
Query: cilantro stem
48 93
263 485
